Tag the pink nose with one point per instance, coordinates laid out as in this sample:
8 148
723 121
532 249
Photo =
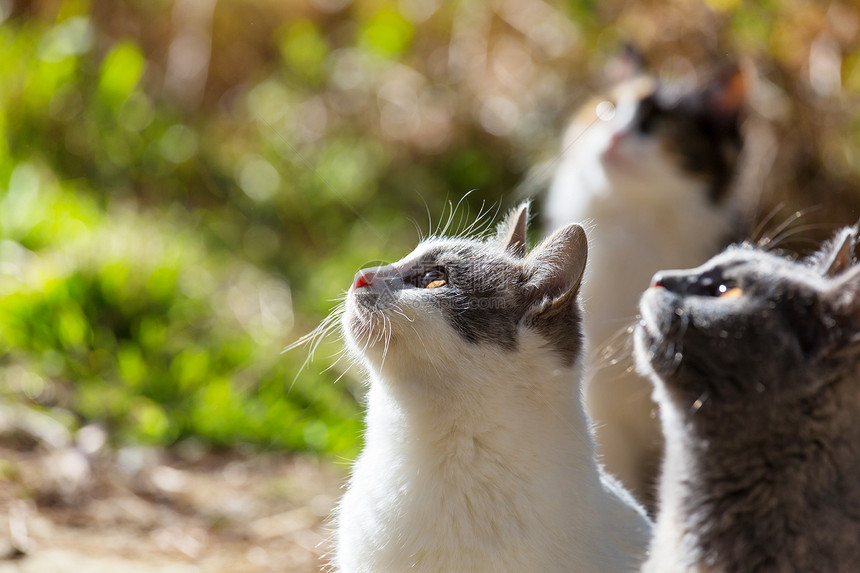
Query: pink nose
363 278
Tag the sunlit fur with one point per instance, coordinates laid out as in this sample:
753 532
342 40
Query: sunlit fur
648 206
761 411
477 454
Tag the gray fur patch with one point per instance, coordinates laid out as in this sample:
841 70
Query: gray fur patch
491 291
482 303
760 390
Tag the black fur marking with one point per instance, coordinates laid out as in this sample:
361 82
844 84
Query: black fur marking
707 142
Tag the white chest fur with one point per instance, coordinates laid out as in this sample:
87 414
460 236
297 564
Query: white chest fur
496 476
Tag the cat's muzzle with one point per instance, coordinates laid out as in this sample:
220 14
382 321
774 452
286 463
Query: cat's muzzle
375 287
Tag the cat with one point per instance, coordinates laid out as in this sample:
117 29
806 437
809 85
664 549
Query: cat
477 454
755 360
650 166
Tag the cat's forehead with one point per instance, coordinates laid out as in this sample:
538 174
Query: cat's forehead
746 260
452 250
743 254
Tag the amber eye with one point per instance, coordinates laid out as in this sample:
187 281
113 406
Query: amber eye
729 292
433 279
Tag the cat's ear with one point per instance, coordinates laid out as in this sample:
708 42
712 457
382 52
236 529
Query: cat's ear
842 297
837 262
512 231
727 93
837 254
555 267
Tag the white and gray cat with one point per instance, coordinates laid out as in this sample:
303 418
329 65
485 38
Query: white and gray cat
477 454
755 360
649 166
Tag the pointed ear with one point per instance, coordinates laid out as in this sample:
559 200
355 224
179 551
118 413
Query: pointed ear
511 232
556 267
842 295
837 262
727 93
837 254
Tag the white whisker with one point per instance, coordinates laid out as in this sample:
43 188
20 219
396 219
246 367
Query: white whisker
767 240
342 374
340 354
793 231
757 233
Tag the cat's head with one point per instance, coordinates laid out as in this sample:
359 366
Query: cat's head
459 300
750 326
670 135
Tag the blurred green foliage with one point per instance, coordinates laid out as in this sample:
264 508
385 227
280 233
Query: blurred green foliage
183 192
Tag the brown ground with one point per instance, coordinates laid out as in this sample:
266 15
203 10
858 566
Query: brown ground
141 510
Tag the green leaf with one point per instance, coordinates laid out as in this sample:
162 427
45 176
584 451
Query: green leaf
386 34
121 71
304 49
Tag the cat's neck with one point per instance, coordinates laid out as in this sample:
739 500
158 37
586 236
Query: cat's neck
498 459
448 397
756 494
583 175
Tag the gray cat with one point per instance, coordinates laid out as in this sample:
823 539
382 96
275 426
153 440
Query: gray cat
755 360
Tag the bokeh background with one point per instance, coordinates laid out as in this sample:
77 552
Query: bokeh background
187 186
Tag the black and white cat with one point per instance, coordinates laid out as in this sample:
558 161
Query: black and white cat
755 360
477 454
648 165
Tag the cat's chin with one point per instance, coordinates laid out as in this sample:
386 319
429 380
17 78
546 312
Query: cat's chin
654 305
645 346
659 326
365 329
612 159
